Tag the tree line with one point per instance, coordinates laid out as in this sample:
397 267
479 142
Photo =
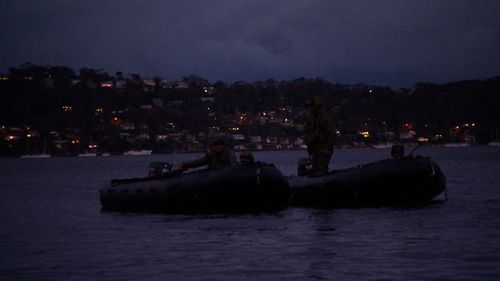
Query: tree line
33 95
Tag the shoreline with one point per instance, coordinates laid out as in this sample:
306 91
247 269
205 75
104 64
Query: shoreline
339 147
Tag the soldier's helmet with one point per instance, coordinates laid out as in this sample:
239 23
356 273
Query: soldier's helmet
218 141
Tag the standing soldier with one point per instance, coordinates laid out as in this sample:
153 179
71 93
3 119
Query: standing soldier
319 137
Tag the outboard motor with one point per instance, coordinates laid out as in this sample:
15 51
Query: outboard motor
160 169
304 167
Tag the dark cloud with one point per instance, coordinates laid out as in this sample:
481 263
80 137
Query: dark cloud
396 42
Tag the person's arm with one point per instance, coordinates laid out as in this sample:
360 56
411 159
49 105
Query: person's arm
195 163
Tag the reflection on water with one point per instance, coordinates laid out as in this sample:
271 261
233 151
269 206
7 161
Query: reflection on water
52 228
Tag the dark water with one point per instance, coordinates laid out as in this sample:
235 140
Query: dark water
51 228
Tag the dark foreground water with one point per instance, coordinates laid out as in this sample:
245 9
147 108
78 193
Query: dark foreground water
51 228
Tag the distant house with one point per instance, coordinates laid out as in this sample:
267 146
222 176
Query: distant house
407 135
165 84
161 138
181 85
148 85
127 126
176 136
149 82
213 130
255 139
121 84
208 90
175 102
207 99
470 139
127 136
48 83
238 137
287 122
142 137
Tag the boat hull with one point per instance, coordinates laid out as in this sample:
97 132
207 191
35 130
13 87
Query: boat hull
407 181
235 189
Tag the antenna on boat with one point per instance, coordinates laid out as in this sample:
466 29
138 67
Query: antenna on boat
414 149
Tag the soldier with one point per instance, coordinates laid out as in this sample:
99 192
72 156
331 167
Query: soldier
246 157
217 156
397 151
319 137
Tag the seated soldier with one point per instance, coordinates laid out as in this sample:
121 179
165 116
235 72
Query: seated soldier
246 157
397 151
216 157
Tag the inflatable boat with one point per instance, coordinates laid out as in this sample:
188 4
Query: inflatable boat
255 187
406 181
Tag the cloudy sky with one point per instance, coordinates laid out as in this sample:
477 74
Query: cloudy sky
385 42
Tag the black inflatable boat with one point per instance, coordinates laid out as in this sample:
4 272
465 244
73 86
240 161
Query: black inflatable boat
254 187
407 181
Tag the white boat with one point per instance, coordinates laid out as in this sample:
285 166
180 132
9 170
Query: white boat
382 145
137 152
87 154
494 143
42 155
457 144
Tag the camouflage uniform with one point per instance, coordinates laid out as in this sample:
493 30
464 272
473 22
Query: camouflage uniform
319 138
213 160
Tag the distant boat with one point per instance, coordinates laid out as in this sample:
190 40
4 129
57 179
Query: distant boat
42 155
137 152
457 144
382 145
87 154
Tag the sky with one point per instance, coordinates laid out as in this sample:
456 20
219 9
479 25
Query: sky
383 42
